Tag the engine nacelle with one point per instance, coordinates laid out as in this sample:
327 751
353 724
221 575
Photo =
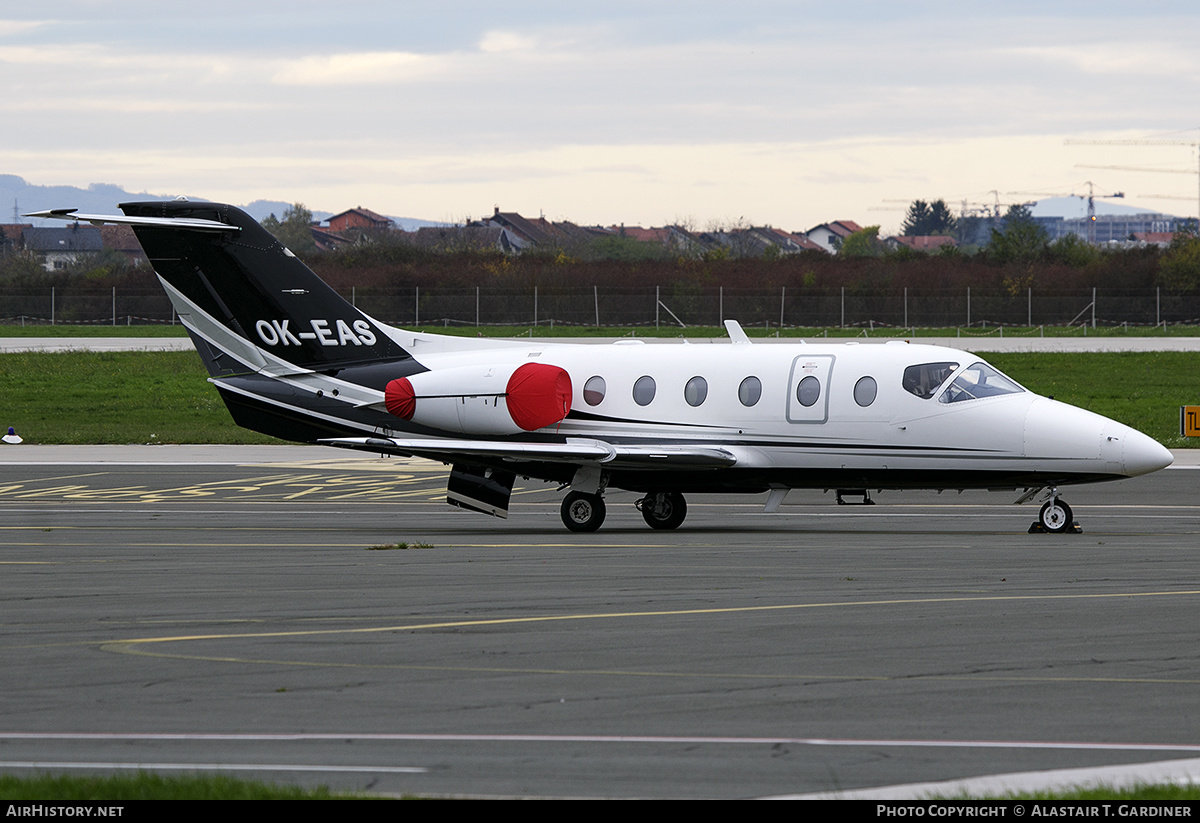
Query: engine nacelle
502 399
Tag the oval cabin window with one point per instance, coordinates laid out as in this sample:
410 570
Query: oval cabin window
643 390
594 390
750 391
808 391
865 390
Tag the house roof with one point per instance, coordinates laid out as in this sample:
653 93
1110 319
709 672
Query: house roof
538 231
644 235
364 213
71 238
463 238
12 232
924 242
121 238
842 228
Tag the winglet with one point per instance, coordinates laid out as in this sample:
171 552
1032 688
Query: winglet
736 333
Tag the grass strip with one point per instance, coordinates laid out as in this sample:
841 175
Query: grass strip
164 397
150 786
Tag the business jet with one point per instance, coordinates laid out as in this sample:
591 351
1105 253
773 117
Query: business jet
294 360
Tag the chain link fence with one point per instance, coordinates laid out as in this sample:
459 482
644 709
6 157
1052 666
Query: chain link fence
677 307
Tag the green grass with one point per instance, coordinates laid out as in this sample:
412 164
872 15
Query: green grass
164 397
1140 389
147 786
92 331
1141 791
114 397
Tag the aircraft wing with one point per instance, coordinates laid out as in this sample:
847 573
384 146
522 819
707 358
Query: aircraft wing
575 451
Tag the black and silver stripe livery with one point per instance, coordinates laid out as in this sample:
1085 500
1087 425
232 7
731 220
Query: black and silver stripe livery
258 289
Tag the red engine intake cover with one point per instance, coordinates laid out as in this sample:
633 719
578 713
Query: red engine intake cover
538 395
399 398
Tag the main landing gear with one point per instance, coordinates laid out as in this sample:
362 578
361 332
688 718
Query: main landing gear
663 510
584 511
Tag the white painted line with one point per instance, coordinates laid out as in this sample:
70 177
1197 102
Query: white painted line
603 738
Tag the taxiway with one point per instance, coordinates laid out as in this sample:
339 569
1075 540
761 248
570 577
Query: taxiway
306 616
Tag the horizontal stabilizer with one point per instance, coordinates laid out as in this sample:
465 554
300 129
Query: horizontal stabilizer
193 223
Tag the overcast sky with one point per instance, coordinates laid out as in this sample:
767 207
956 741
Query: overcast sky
788 113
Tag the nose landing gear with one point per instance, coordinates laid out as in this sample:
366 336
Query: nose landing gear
1055 517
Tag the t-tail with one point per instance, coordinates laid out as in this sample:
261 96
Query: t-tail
237 290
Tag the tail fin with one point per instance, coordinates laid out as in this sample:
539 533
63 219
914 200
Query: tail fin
241 292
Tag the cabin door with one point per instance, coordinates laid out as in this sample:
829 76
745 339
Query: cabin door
808 388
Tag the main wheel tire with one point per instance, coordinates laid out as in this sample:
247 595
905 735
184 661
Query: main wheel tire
1055 516
582 512
664 510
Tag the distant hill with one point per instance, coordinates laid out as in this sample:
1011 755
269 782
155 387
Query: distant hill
103 198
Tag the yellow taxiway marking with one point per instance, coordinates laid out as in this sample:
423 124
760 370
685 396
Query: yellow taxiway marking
503 621
145 647
122 648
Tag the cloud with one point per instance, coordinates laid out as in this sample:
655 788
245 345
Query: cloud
502 41
1126 58
357 68
11 27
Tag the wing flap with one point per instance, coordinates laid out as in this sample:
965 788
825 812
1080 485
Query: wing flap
574 451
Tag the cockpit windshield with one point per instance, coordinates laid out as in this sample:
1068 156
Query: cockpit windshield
976 381
923 380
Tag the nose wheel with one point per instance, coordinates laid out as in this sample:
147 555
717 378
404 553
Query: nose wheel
1055 518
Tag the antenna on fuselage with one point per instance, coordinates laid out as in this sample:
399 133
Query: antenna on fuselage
736 333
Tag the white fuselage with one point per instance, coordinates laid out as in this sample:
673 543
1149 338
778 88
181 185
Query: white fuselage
895 430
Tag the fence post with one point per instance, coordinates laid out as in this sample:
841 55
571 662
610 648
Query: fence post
51 305
782 301
906 307
657 303
596 301
1029 306
968 307
1093 307
114 306
720 305
535 313
416 305
843 307
477 307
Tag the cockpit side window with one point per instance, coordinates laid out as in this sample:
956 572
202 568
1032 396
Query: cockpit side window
976 381
923 380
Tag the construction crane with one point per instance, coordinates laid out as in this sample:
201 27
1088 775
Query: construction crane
1195 144
1091 203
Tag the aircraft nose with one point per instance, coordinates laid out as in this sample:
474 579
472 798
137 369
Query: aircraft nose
1058 431
1142 454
